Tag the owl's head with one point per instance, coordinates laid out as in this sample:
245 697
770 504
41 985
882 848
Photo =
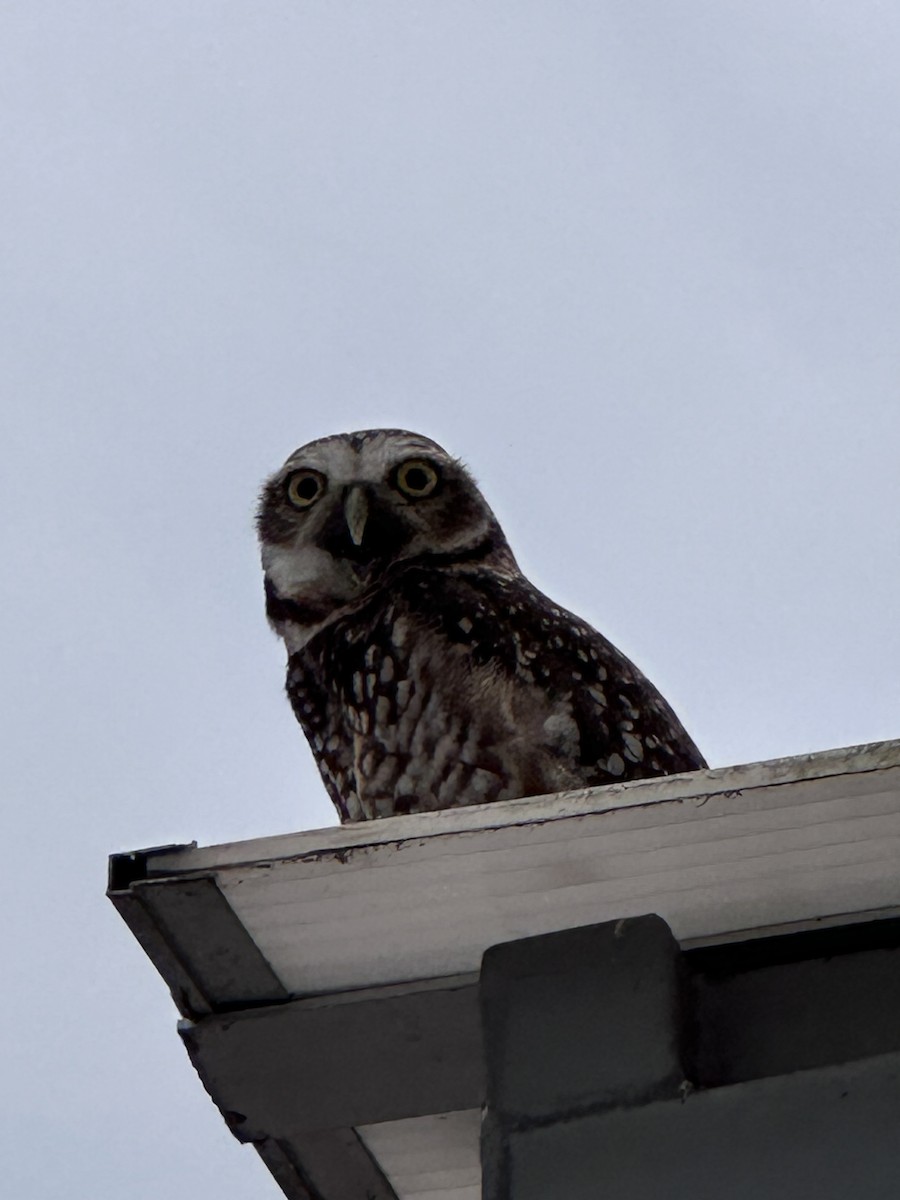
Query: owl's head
345 512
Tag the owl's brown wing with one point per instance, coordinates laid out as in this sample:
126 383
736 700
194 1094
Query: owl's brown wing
579 680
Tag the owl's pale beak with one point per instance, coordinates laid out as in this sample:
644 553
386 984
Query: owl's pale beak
356 512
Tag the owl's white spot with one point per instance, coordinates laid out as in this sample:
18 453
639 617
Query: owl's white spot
451 748
634 748
382 711
562 732
525 656
576 675
386 674
384 777
371 655
370 684
596 694
354 808
481 781
615 764
465 625
556 643
425 728
581 654
450 787
358 687
400 631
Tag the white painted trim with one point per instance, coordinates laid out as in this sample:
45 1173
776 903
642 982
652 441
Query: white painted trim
734 852
697 786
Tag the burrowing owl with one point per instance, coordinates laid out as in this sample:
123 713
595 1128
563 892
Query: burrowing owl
425 669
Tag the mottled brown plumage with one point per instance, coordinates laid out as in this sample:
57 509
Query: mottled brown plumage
425 669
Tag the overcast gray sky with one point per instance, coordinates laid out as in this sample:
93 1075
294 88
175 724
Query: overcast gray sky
636 262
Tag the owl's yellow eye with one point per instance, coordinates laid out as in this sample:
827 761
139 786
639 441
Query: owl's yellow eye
304 488
416 478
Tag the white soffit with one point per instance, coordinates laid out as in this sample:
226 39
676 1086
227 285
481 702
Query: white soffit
435 1157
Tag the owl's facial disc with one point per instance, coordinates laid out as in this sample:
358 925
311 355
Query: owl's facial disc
345 511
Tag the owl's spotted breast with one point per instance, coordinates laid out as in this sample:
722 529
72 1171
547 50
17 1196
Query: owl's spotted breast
461 687
425 669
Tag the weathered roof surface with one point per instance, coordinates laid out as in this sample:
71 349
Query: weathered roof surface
330 976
